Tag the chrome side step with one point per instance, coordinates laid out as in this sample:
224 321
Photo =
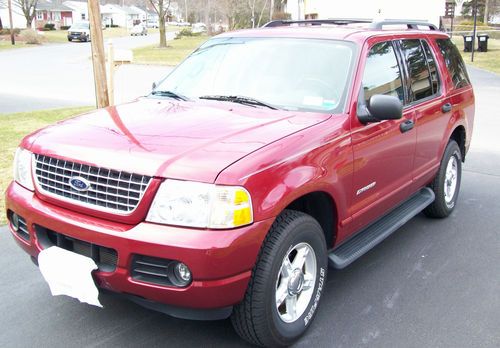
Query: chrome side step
365 240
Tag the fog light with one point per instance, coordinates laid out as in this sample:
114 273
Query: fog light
182 275
14 220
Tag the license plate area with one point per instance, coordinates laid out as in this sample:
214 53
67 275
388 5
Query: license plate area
70 274
105 258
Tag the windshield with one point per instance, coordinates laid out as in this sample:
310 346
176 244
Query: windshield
81 25
287 73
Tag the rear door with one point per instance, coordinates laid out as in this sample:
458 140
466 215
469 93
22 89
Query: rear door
428 100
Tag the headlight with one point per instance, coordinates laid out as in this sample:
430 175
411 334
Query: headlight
22 168
193 204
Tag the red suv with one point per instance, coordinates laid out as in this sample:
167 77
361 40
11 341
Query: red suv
265 157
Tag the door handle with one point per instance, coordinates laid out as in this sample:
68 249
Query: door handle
446 108
406 126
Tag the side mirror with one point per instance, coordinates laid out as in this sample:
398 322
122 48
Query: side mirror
381 107
153 86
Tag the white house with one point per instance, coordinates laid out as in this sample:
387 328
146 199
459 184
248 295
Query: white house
123 16
79 9
114 15
142 14
426 10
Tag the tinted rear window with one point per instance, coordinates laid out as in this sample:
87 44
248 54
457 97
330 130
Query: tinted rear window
419 72
454 63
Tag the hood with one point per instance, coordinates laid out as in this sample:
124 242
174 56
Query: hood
164 138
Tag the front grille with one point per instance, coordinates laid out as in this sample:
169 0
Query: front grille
152 269
110 190
105 258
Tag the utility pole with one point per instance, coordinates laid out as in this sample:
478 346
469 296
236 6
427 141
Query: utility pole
12 39
98 58
474 32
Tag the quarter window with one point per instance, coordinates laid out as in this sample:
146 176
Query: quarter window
382 74
432 67
454 63
420 81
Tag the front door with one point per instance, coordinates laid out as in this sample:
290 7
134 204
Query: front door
383 151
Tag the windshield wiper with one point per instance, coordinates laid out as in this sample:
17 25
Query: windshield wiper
238 99
169 94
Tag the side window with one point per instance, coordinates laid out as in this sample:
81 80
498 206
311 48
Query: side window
382 74
432 67
454 63
420 82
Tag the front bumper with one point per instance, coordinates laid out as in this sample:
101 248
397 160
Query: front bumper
220 261
77 36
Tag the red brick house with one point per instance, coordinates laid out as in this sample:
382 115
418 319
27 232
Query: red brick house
52 12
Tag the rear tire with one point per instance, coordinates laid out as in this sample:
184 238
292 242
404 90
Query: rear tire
286 284
446 184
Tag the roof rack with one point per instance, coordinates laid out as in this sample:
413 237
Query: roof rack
336 21
411 24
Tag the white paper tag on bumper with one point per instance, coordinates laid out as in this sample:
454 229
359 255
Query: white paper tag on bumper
70 274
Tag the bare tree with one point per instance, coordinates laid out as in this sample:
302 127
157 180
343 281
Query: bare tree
28 8
161 7
251 5
486 12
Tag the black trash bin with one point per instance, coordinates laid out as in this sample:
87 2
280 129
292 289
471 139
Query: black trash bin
468 42
482 42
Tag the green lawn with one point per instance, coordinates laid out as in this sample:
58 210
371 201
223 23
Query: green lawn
176 51
13 127
6 44
485 60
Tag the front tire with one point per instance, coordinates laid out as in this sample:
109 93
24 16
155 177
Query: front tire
446 184
286 284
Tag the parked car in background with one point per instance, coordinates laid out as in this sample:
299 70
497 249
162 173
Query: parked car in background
138 29
199 28
79 31
152 23
262 160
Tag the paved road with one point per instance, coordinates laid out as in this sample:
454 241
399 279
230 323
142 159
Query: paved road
60 75
435 283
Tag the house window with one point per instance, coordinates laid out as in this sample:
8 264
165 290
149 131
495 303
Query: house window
39 15
83 16
56 16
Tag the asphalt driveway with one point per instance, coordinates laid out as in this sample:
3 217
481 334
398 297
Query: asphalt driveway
434 283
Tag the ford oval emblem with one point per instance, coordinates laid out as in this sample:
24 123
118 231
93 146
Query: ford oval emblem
78 183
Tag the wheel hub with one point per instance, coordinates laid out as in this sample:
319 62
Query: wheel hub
296 282
451 179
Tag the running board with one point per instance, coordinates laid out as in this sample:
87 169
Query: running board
368 238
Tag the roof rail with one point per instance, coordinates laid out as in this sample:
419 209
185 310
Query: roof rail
411 24
336 21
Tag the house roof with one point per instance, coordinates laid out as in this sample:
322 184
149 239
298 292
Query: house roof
49 5
79 6
138 10
111 8
132 10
